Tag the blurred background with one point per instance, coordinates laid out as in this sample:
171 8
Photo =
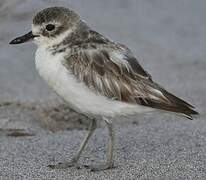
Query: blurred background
168 38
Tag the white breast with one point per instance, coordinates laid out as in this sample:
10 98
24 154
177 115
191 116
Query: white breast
78 96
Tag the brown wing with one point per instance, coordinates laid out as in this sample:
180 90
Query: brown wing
115 73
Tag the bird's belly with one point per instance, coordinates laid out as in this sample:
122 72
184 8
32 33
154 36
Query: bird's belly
76 93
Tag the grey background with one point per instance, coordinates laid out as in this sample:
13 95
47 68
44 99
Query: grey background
168 38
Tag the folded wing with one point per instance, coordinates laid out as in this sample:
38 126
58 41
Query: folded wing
114 72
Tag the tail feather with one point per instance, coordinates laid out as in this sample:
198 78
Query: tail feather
179 105
175 99
183 109
172 104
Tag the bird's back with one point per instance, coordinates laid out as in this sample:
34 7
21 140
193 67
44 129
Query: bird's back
111 70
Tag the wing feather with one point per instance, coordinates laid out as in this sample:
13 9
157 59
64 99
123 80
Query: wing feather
114 72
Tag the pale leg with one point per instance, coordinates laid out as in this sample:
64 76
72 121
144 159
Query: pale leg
109 161
76 157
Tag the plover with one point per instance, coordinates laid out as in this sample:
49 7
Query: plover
97 77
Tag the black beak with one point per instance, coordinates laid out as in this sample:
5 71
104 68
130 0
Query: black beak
22 39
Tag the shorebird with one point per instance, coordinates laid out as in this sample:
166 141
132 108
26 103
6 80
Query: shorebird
97 77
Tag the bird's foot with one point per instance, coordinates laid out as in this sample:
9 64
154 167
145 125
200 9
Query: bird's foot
72 163
99 167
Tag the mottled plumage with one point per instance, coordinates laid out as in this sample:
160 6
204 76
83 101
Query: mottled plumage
94 75
110 69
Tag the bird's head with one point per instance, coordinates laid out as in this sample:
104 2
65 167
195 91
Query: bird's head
50 26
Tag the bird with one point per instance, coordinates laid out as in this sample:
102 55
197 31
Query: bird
95 76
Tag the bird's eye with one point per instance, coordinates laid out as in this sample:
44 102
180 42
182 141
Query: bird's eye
50 27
